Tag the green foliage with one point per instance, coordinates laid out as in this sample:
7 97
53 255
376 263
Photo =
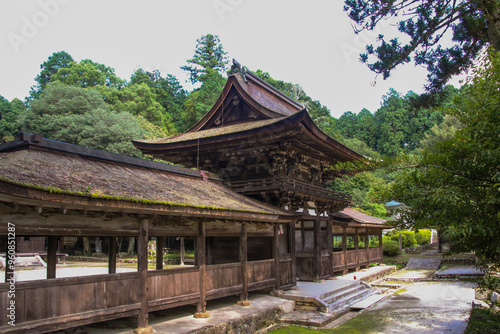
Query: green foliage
423 24
399 125
169 93
209 56
455 185
139 100
441 132
361 187
9 112
199 102
407 238
423 236
87 74
390 247
483 321
490 282
81 117
55 62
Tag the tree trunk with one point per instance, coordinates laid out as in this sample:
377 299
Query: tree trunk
491 11
86 246
131 244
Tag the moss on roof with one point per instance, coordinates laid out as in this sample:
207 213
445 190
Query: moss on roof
213 132
69 174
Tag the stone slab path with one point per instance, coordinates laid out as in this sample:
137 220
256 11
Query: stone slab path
424 263
417 308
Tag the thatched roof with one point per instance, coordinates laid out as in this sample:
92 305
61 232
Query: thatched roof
96 175
213 132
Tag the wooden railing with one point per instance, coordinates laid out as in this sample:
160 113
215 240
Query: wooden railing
340 262
45 304
284 183
52 304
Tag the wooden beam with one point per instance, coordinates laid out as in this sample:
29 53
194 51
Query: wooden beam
51 256
201 307
244 266
293 254
276 257
142 266
160 244
112 255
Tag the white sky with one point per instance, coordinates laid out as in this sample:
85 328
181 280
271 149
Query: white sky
310 43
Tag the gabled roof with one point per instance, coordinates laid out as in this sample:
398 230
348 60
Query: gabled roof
71 176
298 126
265 100
361 218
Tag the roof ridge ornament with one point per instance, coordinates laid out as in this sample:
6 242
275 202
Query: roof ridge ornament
238 69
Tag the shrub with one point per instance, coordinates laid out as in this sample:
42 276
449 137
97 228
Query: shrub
408 238
427 236
391 248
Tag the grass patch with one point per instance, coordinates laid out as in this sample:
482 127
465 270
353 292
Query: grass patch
298 330
483 321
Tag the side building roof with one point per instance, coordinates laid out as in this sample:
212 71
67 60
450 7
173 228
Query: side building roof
46 172
361 218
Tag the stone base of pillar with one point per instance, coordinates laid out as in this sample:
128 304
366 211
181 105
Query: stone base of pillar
243 303
277 293
319 281
201 315
144 330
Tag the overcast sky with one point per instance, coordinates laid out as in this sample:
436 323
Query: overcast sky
310 43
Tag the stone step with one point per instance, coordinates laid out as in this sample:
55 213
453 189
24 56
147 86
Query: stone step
325 295
366 302
341 294
350 299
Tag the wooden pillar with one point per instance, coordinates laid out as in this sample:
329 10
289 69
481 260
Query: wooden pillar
380 245
329 243
112 255
201 308
51 256
302 236
356 246
182 251
160 244
317 247
367 241
244 265
142 266
276 257
344 248
293 253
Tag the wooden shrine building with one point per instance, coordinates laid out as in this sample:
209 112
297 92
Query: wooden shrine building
253 196
265 145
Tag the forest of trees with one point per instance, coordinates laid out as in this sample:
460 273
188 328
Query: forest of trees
85 103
